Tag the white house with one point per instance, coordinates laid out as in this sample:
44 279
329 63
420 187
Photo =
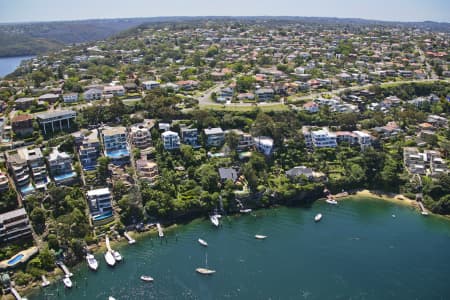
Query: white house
70 97
150 85
171 140
264 144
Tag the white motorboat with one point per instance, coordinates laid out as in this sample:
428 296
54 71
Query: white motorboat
318 217
331 201
109 258
116 255
215 220
394 216
92 262
67 282
111 298
203 242
45 282
205 271
146 278
424 213
245 211
131 241
260 237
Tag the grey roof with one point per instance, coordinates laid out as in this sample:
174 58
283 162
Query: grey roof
54 114
12 214
216 130
22 100
228 173
299 170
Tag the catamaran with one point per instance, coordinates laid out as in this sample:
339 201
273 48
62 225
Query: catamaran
92 262
109 258
203 242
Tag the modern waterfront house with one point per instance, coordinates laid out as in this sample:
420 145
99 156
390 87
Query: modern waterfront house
140 135
171 140
147 170
14 225
264 144
20 172
215 137
322 138
52 121
89 151
36 163
245 140
4 182
189 136
115 145
100 205
60 166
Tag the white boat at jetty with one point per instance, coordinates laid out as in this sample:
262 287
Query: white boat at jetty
146 278
318 217
92 262
111 298
131 241
331 201
214 219
45 282
260 237
205 271
160 230
116 255
67 282
203 242
109 258
245 211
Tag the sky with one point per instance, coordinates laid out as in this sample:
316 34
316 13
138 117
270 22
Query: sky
390 10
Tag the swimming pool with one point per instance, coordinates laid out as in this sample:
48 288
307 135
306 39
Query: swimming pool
102 216
15 259
65 176
118 153
27 189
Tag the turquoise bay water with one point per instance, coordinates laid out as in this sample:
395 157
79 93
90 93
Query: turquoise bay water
9 64
357 251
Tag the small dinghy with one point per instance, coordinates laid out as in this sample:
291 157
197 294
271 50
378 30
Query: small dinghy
260 237
203 242
146 278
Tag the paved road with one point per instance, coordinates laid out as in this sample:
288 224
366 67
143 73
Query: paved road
206 99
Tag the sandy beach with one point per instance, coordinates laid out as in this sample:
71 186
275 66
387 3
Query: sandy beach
392 197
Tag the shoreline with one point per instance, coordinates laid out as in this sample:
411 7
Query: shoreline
100 247
390 197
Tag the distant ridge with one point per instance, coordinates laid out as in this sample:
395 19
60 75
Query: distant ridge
33 38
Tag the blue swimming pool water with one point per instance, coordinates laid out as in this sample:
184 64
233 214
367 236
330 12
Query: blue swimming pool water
65 176
102 216
15 259
27 189
118 153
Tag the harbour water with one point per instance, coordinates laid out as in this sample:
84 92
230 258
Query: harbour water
9 64
359 250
